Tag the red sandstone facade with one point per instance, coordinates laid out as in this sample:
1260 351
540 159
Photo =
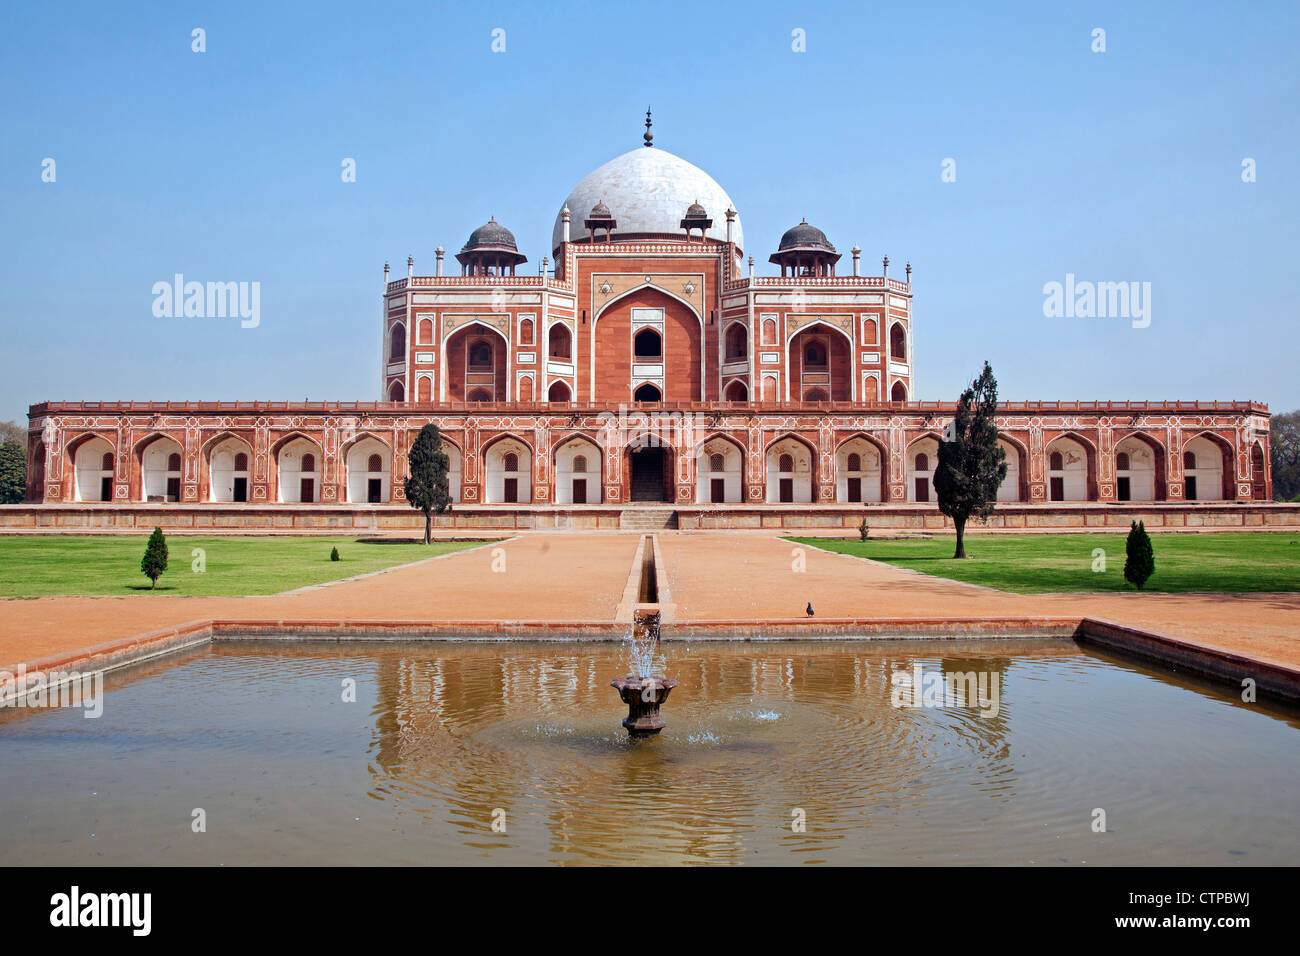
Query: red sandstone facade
652 365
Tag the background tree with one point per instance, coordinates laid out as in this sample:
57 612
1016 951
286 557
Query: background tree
1284 450
15 431
426 480
1140 560
971 462
13 473
154 562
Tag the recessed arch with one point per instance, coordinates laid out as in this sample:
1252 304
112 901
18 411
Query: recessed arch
559 392
869 481
920 460
397 342
1075 478
795 484
1144 477
1015 486
898 343
735 341
366 483
736 391
1214 477
647 392
507 467
578 464
299 461
161 461
222 456
92 462
719 485
455 374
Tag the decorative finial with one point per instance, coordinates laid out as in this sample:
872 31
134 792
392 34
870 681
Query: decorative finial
649 136
885 263
909 272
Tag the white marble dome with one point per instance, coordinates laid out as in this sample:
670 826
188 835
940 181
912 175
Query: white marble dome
648 190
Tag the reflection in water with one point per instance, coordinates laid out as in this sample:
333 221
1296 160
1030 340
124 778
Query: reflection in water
444 736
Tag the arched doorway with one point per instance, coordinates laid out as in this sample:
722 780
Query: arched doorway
1139 469
559 392
297 464
649 471
789 472
1207 469
577 473
860 475
508 462
228 475
922 460
719 472
368 463
161 462
93 470
1069 470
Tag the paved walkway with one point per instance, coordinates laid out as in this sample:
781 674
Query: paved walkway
721 577
713 576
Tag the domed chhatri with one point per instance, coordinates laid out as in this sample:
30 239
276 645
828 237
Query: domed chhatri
805 237
490 250
805 251
697 217
647 189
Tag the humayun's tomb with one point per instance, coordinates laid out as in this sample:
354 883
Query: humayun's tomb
649 379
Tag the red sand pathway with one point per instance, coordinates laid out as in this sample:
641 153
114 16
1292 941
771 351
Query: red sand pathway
713 576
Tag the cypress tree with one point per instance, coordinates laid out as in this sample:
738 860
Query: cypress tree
1140 558
426 480
971 462
154 562
13 473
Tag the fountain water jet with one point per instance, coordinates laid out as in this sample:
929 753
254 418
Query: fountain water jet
643 694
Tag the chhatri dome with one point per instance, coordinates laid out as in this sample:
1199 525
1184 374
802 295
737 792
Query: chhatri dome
648 191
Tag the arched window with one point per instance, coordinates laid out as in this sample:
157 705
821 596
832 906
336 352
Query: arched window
816 395
375 463
1121 461
478 395
737 391
898 393
785 463
855 462
511 462
308 462
480 355
173 462
241 462
397 392
558 392
647 346
814 355
769 332
922 462
717 462
1189 459
397 344
737 342
1055 462
424 389
646 393
579 462
897 343
526 332
561 341
426 331
107 463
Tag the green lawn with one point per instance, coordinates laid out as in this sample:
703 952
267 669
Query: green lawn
1033 564
73 564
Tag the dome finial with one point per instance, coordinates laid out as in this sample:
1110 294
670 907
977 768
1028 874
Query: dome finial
649 136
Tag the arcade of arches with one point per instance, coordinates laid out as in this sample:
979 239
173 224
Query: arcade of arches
724 465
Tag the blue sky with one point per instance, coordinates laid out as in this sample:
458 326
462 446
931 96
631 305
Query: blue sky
225 166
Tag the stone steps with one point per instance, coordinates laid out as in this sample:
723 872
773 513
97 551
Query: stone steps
647 519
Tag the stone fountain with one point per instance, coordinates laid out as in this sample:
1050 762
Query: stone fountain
643 694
